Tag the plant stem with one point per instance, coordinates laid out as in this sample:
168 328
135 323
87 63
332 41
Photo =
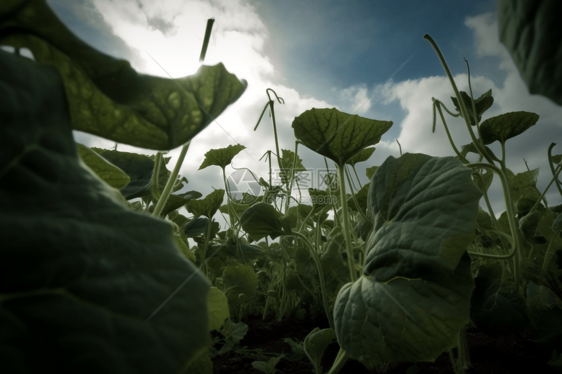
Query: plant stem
476 142
320 275
340 360
169 184
346 224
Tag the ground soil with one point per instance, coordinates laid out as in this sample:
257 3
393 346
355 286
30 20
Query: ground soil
507 354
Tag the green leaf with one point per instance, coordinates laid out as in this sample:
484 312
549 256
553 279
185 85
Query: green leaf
108 172
178 200
531 32
208 206
196 227
108 98
296 347
320 199
218 309
414 295
315 345
304 263
230 249
269 366
520 183
181 242
241 205
78 269
483 181
262 220
465 149
337 135
361 197
221 157
364 155
287 161
506 126
371 171
483 103
239 279
139 168
336 272
528 224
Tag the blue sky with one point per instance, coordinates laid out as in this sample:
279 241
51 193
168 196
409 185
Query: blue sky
362 57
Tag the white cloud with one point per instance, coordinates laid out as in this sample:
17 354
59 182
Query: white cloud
357 98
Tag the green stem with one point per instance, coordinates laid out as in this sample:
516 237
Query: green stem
340 360
346 224
476 142
550 162
510 216
355 199
320 275
437 103
170 183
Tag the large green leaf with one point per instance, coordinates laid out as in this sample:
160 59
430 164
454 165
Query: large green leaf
241 283
80 273
414 295
506 126
108 172
337 135
139 168
532 33
262 220
108 98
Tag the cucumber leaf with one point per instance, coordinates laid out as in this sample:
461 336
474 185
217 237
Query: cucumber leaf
414 295
506 126
85 283
532 33
337 135
107 97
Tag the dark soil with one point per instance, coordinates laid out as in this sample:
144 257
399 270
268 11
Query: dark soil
507 354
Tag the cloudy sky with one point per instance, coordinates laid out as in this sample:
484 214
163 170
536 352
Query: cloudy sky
365 57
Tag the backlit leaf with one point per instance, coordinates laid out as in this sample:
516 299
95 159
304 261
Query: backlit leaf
108 172
221 157
506 126
108 98
337 135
